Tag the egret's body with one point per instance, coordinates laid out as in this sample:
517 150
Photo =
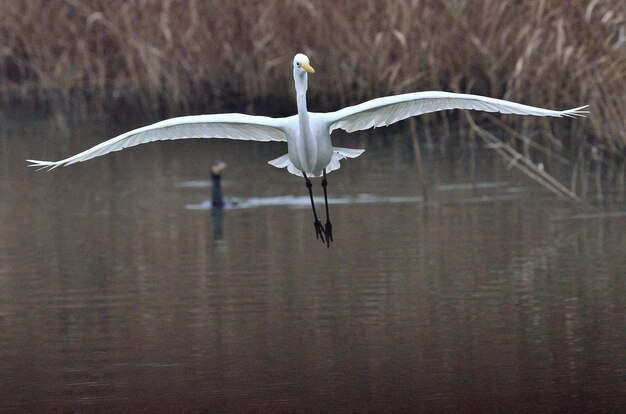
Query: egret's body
309 148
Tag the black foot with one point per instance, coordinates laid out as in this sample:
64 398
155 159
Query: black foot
319 230
329 233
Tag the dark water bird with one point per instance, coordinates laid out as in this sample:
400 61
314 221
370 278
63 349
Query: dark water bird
310 152
217 199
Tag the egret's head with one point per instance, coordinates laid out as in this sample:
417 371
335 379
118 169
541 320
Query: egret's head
301 63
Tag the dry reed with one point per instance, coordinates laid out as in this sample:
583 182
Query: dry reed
181 56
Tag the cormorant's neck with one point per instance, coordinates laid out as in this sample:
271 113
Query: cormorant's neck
217 199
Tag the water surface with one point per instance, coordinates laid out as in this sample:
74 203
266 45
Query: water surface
117 293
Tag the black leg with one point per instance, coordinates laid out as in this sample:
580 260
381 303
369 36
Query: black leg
319 230
329 227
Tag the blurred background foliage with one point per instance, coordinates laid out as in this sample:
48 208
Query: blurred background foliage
171 57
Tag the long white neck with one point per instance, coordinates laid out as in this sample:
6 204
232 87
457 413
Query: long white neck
307 150
301 87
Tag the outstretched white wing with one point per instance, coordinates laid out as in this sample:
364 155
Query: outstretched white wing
234 126
385 111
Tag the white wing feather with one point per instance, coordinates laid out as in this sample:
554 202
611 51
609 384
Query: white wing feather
387 110
234 126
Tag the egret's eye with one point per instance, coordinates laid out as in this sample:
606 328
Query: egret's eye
298 63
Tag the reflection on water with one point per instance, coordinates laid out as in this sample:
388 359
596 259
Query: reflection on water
302 201
115 295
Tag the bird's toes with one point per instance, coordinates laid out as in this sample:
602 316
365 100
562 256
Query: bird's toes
328 229
319 230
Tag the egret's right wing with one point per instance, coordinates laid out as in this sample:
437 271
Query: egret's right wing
233 126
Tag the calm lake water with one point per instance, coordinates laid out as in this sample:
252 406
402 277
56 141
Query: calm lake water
117 294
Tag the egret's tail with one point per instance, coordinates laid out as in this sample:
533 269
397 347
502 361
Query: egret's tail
338 155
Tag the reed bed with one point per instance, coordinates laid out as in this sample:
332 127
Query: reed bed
185 56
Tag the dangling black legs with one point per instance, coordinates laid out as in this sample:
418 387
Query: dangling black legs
328 229
319 230
325 233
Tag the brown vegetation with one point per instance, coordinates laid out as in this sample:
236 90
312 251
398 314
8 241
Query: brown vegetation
182 56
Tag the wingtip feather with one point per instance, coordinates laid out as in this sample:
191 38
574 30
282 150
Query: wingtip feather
42 165
576 112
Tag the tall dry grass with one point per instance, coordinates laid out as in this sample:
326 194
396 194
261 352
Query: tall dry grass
180 56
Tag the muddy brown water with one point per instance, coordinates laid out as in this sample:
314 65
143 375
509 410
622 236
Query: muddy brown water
117 293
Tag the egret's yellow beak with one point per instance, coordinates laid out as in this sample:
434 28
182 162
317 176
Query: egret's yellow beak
307 67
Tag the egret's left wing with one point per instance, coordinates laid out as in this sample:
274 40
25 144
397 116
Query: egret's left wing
233 126
385 111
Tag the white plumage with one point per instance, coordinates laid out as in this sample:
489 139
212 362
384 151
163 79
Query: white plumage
308 133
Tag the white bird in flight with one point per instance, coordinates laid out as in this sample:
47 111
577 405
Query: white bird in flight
310 152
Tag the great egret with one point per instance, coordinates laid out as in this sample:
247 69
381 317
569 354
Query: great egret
310 152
